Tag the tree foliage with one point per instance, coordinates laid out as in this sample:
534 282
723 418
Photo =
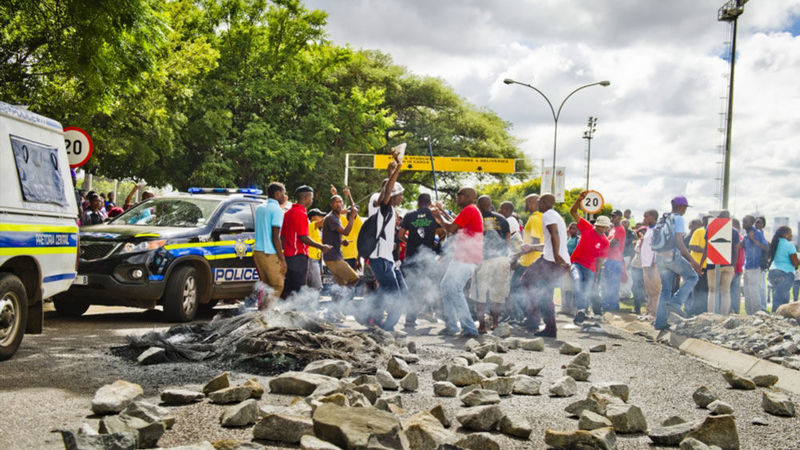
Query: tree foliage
232 93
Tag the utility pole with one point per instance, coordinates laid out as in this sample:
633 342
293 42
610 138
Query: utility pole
729 12
588 135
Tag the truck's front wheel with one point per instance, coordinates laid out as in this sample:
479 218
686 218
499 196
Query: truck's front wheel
180 297
13 314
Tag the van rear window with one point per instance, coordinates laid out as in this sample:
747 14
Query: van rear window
38 172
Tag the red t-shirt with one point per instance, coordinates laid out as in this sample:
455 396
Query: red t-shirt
615 253
591 245
469 239
295 224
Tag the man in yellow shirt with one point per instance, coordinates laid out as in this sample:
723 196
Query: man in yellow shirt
697 303
532 235
349 247
315 216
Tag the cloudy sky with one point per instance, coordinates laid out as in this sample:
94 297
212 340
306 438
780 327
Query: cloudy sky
661 121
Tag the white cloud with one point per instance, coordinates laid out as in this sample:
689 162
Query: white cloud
658 121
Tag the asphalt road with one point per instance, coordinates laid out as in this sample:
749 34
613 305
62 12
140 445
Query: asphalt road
50 382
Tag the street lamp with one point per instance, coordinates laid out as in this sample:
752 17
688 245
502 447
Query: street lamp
588 135
556 115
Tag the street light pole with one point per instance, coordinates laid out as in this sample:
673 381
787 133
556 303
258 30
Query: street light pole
588 135
556 115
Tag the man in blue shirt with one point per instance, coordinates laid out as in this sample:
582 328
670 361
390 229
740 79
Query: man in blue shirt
268 251
675 261
755 244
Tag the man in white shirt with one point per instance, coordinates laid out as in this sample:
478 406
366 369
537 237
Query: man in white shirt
652 280
541 278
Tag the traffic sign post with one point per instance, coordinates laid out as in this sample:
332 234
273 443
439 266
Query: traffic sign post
79 146
593 202
719 236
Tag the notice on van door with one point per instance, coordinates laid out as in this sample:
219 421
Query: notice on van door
39 175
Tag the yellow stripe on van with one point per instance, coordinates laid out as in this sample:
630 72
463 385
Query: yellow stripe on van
16 251
38 228
147 235
199 244
226 256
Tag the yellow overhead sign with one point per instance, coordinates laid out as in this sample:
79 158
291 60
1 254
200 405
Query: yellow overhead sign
448 164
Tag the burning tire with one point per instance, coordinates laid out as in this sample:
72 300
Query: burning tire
13 314
180 297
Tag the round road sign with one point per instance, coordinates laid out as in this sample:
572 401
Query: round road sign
79 146
592 203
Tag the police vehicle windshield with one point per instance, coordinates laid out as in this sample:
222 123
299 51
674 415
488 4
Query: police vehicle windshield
169 212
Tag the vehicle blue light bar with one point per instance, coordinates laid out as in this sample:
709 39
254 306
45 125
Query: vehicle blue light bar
253 191
221 190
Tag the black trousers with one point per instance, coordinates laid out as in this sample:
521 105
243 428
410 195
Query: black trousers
296 274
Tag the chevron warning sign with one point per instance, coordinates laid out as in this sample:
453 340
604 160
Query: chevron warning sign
720 233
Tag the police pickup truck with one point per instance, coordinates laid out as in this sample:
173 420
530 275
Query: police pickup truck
182 251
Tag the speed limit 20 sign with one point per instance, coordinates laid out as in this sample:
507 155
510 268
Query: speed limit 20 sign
79 146
593 202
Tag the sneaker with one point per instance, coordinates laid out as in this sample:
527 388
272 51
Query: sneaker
580 316
447 332
468 334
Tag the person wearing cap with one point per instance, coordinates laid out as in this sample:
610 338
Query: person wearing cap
314 279
382 261
675 261
587 259
612 269
294 235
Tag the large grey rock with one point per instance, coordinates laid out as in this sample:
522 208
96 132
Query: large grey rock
371 391
581 359
367 379
311 442
425 432
589 404
488 370
303 384
471 344
512 343
494 358
738 382
480 418
703 396
718 407
153 355
355 398
719 431
615 388
601 438
765 380
501 385
578 373
219 382
463 376
777 404
626 418
569 348
478 397
180 396
397 367
335 368
671 435
386 380
563 387
599 348
484 349
150 413
256 389
205 445
358 428
694 444
525 385
592 421
478 441
285 428
605 399
515 425
502 331
438 412
444 389
228 395
530 371
113 398
147 434
532 345
240 415
410 382
673 420
115 441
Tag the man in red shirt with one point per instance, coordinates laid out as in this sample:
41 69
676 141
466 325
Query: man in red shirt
468 228
612 269
294 235
587 258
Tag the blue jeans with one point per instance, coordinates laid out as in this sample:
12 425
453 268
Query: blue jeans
637 287
454 304
582 282
390 284
612 270
667 270
781 283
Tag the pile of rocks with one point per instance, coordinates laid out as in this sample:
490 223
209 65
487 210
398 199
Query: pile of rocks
773 337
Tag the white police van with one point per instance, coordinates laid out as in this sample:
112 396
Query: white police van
38 222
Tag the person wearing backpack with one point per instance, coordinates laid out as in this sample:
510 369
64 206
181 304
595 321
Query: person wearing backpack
673 258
